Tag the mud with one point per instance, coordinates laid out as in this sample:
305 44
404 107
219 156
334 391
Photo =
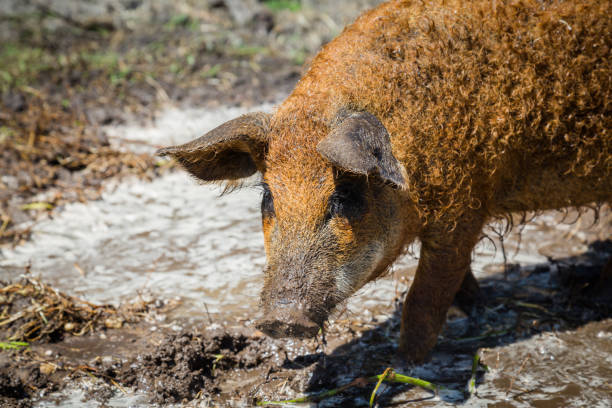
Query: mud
543 330
184 365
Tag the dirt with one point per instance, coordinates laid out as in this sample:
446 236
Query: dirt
562 301
20 378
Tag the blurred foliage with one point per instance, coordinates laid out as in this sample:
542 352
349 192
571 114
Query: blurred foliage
276 5
21 64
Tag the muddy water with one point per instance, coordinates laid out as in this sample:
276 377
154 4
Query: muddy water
558 370
175 239
171 238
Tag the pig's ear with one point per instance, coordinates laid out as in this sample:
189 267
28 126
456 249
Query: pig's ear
232 151
359 143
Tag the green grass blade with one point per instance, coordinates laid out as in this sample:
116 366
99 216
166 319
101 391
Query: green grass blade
13 345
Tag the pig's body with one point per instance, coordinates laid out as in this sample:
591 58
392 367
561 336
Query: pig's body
508 111
420 121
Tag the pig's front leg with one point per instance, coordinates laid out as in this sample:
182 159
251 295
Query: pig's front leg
443 264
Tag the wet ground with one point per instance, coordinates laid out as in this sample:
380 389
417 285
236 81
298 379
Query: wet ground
543 326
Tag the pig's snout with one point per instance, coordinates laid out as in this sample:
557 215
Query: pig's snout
287 320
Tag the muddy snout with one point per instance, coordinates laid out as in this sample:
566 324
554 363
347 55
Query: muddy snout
287 320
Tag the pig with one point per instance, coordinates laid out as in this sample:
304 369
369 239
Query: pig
423 120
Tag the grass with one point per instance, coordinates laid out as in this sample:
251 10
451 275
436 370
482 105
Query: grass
389 375
36 58
24 66
105 61
211 72
248 51
218 357
475 364
378 383
278 5
181 20
13 345
21 64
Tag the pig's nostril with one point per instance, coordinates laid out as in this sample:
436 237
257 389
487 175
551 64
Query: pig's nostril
277 328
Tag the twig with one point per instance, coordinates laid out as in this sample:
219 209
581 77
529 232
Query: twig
495 333
210 320
312 398
11 319
79 269
5 222
518 372
116 384
161 92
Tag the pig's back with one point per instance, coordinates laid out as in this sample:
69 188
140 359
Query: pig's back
487 106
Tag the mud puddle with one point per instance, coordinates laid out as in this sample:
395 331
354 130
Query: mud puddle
171 236
546 339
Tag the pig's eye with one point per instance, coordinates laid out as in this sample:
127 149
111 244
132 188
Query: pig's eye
267 203
347 201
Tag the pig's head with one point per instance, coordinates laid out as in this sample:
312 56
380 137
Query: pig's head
334 207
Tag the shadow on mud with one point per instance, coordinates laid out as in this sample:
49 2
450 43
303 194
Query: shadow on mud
516 305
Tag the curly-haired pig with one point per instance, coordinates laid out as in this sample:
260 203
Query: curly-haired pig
422 120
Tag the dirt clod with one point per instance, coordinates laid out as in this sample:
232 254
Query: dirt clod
11 387
185 365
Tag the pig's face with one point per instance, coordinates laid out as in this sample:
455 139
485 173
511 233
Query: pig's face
334 214
326 235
